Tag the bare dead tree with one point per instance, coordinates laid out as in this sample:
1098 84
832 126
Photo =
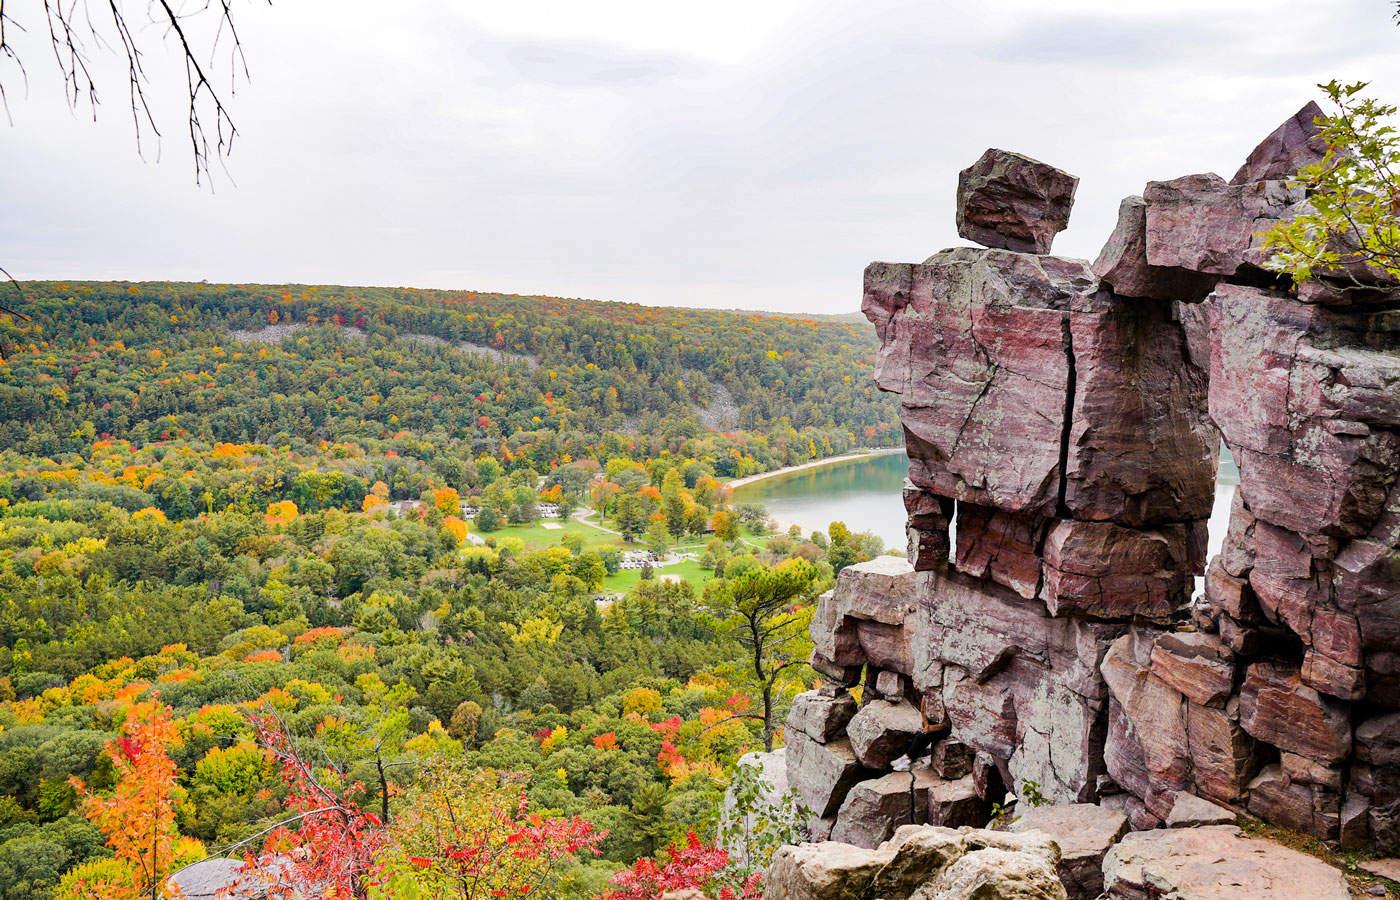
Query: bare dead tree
77 29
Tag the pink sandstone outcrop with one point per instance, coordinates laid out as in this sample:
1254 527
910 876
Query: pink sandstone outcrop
1294 144
1064 425
1216 863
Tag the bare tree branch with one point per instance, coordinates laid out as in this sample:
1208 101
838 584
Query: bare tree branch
7 52
73 36
6 311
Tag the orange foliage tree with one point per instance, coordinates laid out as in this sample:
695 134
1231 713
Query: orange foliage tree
281 511
447 501
457 527
139 816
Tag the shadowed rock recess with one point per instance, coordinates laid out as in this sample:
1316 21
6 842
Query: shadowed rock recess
1063 424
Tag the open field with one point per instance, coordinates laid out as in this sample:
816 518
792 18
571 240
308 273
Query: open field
543 535
538 537
627 579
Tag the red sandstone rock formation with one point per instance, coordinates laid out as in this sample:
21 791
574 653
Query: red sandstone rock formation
1068 419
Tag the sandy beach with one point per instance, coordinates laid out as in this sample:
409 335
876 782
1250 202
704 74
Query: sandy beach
750 479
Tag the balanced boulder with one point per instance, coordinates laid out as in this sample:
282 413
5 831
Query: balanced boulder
1012 202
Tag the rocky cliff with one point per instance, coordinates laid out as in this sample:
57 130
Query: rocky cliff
1063 423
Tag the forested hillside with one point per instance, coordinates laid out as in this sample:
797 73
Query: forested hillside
234 519
150 362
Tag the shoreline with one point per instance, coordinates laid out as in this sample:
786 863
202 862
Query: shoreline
750 479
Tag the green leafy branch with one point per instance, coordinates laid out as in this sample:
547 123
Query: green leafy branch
1350 224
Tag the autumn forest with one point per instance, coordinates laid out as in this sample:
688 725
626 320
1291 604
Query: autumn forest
406 593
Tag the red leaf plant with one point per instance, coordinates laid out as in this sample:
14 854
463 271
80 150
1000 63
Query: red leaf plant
332 852
469 834
693 865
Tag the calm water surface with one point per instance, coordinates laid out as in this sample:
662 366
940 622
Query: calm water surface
865 494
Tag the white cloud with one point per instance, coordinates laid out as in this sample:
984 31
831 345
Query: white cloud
730 154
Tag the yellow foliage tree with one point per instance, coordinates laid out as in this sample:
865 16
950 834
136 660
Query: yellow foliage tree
281 512
446 499
641 701
457 527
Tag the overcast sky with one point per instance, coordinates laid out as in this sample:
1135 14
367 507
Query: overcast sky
735 153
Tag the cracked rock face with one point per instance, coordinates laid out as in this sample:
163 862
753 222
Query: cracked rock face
976 344
1142 450
1308 408
1012 202
822 773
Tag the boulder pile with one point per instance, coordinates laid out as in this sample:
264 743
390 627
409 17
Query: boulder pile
920 863
1063 424
1070 853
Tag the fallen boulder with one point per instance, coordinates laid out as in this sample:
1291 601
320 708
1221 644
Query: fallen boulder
874 809
823 715
1277 708
1197 665
1190 811
1108 570
954 804
825 871
1123 265
881 731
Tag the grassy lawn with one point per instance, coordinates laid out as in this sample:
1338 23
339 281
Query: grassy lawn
759 541
537 537
628 578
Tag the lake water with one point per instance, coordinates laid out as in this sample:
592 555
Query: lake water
866 495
